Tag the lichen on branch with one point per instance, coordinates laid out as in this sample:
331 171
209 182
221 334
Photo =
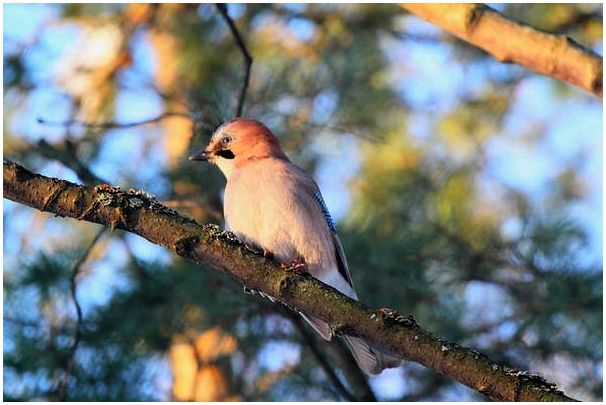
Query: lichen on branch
138 212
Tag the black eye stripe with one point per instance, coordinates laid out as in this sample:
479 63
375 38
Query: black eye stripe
225 153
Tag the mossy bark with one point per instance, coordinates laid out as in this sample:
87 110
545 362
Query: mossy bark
139 213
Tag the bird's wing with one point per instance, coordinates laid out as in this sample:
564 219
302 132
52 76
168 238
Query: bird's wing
339 254
341 260
313 217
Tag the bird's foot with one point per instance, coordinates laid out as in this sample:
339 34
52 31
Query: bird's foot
297 266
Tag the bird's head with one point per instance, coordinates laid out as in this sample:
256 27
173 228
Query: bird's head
238 142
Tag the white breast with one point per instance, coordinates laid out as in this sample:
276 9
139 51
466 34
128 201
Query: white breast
256 201
272 205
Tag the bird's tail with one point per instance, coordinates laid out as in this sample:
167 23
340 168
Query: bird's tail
371 358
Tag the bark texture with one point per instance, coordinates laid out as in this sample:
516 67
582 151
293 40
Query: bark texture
557 56
139 213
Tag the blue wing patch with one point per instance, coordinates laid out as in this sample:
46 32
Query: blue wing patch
329 221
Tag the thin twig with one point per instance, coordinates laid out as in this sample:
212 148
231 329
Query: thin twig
32 324
358 381
311 343
63 386
247 58
110 125
65 153
329 127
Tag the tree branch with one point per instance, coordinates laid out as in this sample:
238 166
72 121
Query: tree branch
507 41
137 212
65 153
247 58
111 124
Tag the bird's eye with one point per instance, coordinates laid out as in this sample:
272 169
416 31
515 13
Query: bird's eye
226 140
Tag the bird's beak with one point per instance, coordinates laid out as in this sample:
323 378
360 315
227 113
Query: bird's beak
202 155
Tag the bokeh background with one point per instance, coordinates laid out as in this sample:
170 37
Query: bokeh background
466 192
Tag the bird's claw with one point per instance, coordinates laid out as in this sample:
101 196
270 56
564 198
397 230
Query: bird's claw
296 266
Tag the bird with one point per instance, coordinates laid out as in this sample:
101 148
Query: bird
274 205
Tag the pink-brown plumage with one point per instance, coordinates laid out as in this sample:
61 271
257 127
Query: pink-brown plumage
254 141
273 204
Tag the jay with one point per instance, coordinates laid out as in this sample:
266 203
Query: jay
272 204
